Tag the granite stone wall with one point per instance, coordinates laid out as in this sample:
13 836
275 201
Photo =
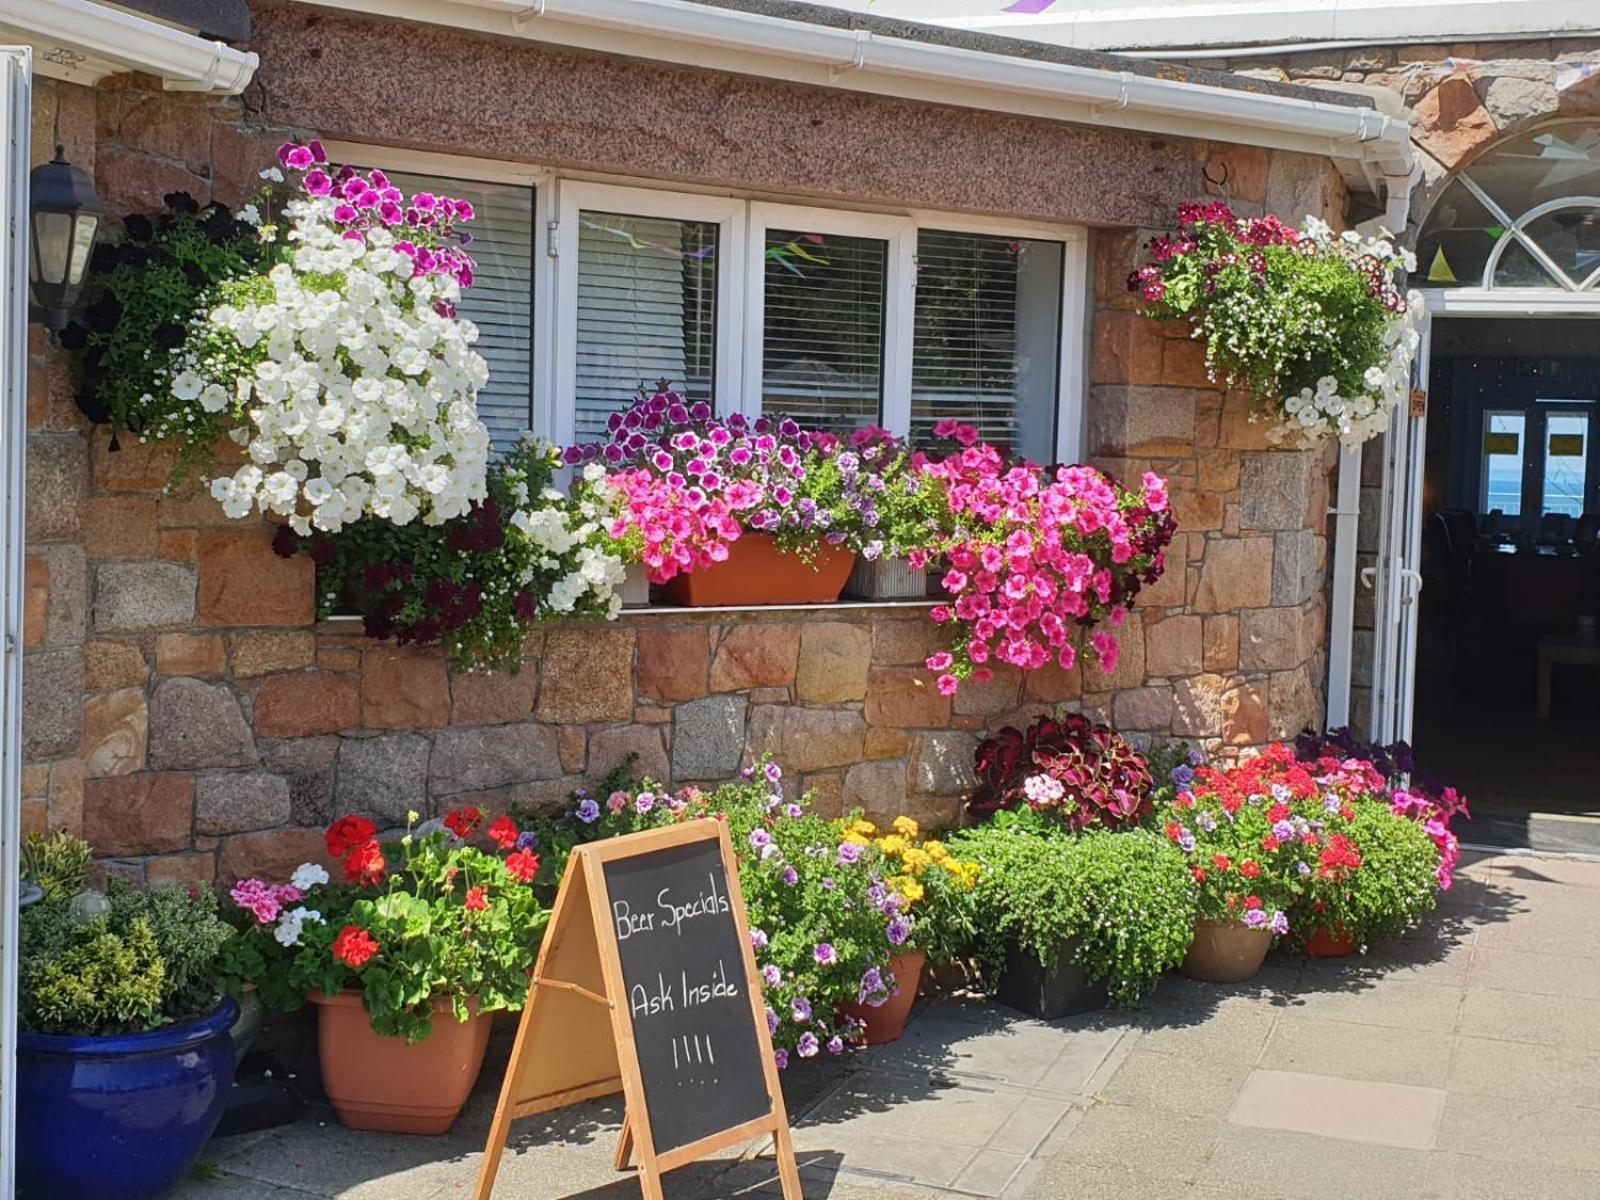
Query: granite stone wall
185 713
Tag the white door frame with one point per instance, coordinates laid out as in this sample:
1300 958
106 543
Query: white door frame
1396 578
16 68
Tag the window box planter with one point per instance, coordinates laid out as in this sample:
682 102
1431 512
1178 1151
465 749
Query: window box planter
119 1118
1058 991
756 572
388 1084
887 1021
1226 951
887 579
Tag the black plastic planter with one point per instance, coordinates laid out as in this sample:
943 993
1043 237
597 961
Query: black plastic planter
1059 992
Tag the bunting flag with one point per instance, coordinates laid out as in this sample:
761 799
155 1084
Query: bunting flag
782 254
1439 269
638 243
1028 7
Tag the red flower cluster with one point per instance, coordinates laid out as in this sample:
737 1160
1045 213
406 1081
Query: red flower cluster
354 946
503 832
355 840
523 865
464 821
1339 857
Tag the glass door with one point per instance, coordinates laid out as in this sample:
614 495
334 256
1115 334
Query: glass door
1565 487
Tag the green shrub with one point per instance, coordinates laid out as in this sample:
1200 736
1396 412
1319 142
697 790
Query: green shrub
1390 892
1126 897
58 863
149 960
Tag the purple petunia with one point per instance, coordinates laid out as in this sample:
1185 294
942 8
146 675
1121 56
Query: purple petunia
825 954
808 1045
800 1010
781 1057
899 930
849 853
588 811
758 939
772 975
1255 918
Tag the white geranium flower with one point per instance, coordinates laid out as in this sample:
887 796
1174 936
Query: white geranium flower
309 875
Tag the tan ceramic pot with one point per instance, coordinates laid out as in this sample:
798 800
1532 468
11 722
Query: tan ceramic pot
887 1021
1226 951
757 572
386 1084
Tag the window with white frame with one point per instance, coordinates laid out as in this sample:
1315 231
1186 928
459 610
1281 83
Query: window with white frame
839 319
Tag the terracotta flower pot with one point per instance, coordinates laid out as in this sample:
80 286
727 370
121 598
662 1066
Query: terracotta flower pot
1330 943
757 572
386 1084
887 1021
1226 951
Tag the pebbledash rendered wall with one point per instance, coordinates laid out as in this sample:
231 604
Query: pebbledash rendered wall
185 713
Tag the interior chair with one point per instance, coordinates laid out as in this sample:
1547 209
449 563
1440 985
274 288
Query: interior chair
1555 529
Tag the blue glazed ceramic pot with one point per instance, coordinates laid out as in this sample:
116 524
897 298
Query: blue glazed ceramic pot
119 1118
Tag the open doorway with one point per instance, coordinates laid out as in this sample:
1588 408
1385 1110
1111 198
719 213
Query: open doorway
1508 662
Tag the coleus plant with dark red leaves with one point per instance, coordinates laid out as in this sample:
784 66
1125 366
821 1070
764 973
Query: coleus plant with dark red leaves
1084 773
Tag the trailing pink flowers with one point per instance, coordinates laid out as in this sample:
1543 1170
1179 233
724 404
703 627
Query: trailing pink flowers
1038 555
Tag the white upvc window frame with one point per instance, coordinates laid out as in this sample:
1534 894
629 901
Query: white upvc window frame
541 338
899 299
574 197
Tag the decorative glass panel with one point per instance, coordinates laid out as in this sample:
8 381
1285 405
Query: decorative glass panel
1503 435
987 343
822 335
1566 457
647 311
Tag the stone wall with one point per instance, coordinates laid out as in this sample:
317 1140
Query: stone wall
184 712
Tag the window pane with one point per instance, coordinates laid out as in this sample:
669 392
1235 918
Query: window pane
988 337
1502 462
500 300
822 338
647 299
1566 455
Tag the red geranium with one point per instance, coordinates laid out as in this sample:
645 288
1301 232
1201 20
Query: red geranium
477 899
1249 868
348 832
503 832
354 946
463 821
523 865
365 863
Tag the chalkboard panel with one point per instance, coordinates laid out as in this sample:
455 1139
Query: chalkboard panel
687 993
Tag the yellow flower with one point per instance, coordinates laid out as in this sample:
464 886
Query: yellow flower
936 851
864 828
905 826
908 887
893 845
917 861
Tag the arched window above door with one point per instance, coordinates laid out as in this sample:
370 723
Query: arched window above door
1524 215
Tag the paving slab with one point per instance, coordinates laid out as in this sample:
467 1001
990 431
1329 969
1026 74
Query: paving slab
1350 1110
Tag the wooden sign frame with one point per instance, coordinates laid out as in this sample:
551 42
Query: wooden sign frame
575 1040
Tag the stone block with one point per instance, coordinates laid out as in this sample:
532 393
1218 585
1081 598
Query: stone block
586 675
1217 470
1450 122
826 792
195 724
834 657
1197 706
337 658
35 601
136 597
1220 643
57 466
1125 348
1173 647
134 467
179 545
163 125
1244 715
138 814
1141 420
404 689
190 654
1236 573
988 700
1296 566
34 818
244 582
66 612
878 789
941 764
1147 709
805 739
237 802
756 655
469 760
295 756
886 743
492 697
303 705
386 775
906 698
1130 670
1274 639
610 748
1183 364
549 797
1275 488
1239 427
311 798
572 747
272 854
1052 684
116 733
128 182
708 738
264 653
907 643
1295 703
120 527
52 704
66 796
674 663
184 870
1171 590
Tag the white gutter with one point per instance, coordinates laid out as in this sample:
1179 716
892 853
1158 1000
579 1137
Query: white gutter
705 36
107 35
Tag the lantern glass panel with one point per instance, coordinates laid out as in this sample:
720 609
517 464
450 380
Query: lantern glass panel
52 233
82 243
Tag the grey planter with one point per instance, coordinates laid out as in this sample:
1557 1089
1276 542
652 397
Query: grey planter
636 587
886 579
1049 995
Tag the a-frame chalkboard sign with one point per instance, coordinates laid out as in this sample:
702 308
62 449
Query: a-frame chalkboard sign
646 985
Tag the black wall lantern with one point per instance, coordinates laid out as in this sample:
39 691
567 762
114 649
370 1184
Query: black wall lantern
66 217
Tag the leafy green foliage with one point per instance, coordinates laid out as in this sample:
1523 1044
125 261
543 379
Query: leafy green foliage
57 862
1126 897
1389 893
151 960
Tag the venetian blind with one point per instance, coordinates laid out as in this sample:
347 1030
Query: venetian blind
987 338
500 300
647 289
822 334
